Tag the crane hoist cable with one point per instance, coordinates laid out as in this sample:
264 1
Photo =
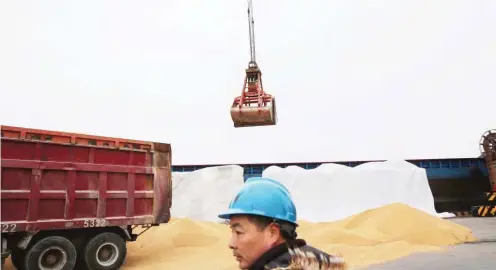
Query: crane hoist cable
251 28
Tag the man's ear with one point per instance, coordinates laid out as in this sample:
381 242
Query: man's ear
274 232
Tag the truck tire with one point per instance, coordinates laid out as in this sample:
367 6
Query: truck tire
52 252
105 251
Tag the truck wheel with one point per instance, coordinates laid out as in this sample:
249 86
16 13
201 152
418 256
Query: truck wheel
105 251
52 252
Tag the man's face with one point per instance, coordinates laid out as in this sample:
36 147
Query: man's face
248 242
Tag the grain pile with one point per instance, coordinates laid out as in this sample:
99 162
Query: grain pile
373 236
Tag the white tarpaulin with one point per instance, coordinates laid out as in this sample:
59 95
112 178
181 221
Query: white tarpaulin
327 193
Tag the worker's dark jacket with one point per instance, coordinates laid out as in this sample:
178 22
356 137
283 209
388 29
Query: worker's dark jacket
279 255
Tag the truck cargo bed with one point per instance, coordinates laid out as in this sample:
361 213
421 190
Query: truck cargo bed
56 180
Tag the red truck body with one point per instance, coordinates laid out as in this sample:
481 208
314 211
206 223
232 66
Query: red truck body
60 181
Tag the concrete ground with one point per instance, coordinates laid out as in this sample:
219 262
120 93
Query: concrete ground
480 255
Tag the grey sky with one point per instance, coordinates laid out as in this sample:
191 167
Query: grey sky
354 80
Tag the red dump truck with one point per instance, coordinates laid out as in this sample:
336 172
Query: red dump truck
72 200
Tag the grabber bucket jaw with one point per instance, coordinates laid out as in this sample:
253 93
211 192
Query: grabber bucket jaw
252 116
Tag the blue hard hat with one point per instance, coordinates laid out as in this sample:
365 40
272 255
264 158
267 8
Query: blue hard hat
251 179
263 197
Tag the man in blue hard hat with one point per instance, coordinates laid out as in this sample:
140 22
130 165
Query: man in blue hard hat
262 218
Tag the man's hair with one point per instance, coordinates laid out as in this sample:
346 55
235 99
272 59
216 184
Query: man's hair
288 230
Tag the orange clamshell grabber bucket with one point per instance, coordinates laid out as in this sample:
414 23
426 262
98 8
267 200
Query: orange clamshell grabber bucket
253 107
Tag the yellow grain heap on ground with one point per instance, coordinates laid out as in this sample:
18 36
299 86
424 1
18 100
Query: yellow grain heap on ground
370 237
373 236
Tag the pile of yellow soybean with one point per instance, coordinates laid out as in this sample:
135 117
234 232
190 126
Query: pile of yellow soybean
374 236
